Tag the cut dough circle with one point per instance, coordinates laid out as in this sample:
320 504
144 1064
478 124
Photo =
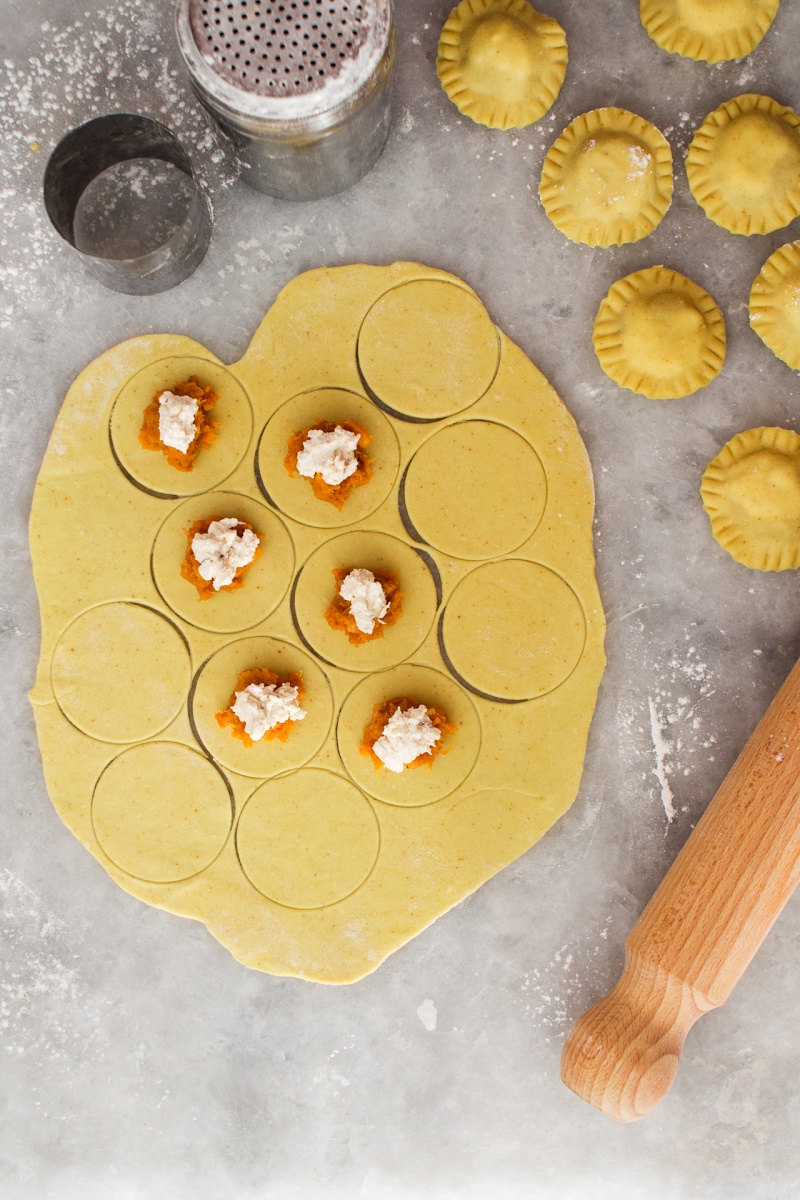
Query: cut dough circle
294 496
149 468
513 630
161 812
743 165
607 179
315 587
501 62
428 349
457 500
307 840
102 672
419 785
709 30
265 582
659 334
751 492
212 693
775 304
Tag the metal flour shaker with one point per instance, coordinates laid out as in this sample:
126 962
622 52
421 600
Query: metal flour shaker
303 87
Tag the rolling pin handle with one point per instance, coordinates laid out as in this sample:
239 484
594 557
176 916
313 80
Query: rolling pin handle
622 1055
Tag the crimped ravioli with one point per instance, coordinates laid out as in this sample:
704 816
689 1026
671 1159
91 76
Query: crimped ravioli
751 492
710 30
659 334
501 62
744 165
775 304
607 179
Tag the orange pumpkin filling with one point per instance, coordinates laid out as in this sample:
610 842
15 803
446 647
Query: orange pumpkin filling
205 429
190 567
380 719
227 719
326 491
338 613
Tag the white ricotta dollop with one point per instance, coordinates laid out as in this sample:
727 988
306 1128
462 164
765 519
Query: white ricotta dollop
262 706
176 420
331 455
222 550
366 597
405 736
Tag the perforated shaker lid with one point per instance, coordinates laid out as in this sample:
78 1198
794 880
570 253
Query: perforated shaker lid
283 59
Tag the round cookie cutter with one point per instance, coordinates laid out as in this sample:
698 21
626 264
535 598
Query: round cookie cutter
303 90
103 142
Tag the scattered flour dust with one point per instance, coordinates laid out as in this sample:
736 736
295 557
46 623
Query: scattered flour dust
116 58
662 749
428 1015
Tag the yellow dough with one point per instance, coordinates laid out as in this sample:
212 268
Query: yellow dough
501 62
659 334
743 165
775 304
710 30
607 179
300 856
751 492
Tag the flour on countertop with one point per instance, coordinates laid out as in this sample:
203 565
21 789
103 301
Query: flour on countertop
114 60
428 1015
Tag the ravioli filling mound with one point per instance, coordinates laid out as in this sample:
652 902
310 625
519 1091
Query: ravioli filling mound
366 602
177 422
220 551
263 707
331 455
404 733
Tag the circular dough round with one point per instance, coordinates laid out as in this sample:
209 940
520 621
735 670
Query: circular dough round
121 672
315 588
212 693
265 581
743 165
709 30
149 469
419 785
501 62
607 179
161 812
458 500
775 304
751 492
513 630
294 495
659 334
308 839
428 349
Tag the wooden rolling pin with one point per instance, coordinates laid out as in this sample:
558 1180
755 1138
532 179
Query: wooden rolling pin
702 927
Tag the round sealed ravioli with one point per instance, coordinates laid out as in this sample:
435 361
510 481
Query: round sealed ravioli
775 304
293 494
231 414
501 62
743 165
709 30
316 586
659 334
607 179
751 492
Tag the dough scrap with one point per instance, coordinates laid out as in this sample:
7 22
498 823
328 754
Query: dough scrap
659 334
501 62
743 165
708 30
775 304
751 492
607 179
299 856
